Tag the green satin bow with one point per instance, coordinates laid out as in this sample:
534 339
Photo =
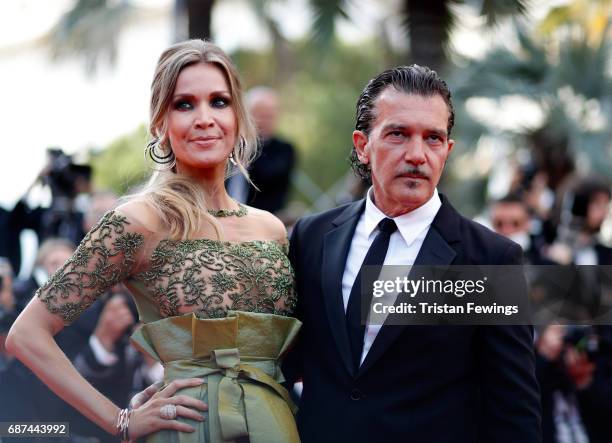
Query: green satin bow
239 357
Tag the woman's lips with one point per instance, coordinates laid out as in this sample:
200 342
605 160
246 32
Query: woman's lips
205 141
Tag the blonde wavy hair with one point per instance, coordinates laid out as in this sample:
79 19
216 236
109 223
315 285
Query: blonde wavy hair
178 200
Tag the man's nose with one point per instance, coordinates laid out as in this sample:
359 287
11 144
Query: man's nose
415 151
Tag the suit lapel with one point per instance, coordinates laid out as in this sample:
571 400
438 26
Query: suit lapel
435 251
336 244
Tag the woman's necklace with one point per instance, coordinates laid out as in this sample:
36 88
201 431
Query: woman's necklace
240 212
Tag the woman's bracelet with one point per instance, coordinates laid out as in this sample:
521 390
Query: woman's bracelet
123 423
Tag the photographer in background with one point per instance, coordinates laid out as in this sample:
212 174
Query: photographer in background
62 219
574 369
557 359
595 395
578 236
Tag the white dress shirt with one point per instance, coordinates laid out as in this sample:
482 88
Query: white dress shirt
404 246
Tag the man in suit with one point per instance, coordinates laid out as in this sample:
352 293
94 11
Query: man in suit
271 170
437 384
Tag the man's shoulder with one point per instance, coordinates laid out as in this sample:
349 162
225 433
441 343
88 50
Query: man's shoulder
485 232
481 244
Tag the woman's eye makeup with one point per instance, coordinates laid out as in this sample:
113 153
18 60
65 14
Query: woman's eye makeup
182 105
220 102
185 104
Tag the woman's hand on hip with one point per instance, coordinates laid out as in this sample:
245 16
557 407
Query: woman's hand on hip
148 417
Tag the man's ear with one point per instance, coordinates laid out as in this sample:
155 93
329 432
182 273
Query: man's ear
451 145
360 141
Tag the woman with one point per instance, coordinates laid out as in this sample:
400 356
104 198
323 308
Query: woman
210 277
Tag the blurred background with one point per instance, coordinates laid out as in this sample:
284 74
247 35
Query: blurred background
532 88
531 84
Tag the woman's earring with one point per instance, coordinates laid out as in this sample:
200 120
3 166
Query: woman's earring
163 161
241 148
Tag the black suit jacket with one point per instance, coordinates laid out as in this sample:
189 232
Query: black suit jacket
421 384
271 173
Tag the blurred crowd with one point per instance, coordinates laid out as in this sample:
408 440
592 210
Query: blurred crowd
556 220
560 221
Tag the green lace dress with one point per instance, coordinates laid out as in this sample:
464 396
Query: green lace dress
211 309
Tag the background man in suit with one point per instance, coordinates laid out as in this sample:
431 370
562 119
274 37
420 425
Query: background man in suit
403 383
271 170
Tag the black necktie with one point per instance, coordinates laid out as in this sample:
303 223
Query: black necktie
375 257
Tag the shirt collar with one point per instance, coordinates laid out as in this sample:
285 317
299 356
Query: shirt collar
411 224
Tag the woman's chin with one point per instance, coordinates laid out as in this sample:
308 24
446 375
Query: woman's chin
201 165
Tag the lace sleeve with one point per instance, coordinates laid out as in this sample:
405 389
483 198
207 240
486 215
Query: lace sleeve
105 257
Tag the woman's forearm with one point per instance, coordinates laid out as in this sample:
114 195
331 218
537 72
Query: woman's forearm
33 343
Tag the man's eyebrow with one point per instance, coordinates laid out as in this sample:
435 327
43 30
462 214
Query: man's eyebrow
439 132
401 127
394 127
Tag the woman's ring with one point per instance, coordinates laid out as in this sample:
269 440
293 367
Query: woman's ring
168 412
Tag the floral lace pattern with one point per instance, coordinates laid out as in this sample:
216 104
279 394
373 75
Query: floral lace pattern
210 277
104 258
203 276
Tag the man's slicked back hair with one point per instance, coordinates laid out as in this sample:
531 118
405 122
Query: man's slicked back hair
413 79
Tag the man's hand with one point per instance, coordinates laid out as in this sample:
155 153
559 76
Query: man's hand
115 319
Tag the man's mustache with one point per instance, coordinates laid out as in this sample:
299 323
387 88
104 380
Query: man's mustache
413 172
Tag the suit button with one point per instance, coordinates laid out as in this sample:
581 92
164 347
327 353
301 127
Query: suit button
356 394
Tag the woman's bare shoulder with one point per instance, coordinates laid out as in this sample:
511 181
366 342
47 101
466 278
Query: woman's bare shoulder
267 226
141 214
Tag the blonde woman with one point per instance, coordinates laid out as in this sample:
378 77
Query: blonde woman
210 277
